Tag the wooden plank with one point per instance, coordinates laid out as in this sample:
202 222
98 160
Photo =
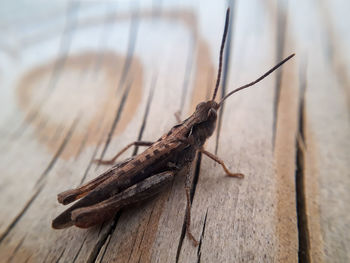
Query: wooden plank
85 78
328 137
323 153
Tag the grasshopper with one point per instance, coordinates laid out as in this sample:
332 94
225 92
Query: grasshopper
144 175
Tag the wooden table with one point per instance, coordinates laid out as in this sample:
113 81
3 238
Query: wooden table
80 80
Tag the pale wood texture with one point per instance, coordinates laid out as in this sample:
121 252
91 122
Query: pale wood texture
80 80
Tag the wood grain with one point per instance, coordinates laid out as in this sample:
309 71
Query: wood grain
80 80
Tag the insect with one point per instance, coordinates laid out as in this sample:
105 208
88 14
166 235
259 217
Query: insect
144 175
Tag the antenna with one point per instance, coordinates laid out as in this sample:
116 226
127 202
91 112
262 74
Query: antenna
221 52
257 80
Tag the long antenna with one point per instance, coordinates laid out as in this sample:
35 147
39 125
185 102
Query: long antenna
221 52
257 80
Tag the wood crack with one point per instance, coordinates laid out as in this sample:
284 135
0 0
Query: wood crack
93 157
182 236
20 215
82 145
70 27
131 48
28 258
16 249
60 256
143 234
100 243
145 116
201 239
78 252
134 243
303 230
104 35
105 248
59 151
116 120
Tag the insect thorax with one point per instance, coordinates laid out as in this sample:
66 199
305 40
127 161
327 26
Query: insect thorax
203 130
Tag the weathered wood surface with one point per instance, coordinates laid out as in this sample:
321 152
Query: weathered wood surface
80 80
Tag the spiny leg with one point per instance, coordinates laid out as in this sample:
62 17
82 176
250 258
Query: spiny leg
188 210
218 160
112 161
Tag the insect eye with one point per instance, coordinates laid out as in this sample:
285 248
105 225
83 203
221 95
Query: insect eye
212 112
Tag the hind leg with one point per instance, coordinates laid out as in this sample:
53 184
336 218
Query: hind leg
91 215
188 209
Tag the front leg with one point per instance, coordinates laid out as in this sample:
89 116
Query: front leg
190 141
218 160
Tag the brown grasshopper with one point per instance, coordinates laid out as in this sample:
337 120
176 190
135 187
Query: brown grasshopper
145 174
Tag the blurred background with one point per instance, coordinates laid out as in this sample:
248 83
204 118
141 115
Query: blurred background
81 79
